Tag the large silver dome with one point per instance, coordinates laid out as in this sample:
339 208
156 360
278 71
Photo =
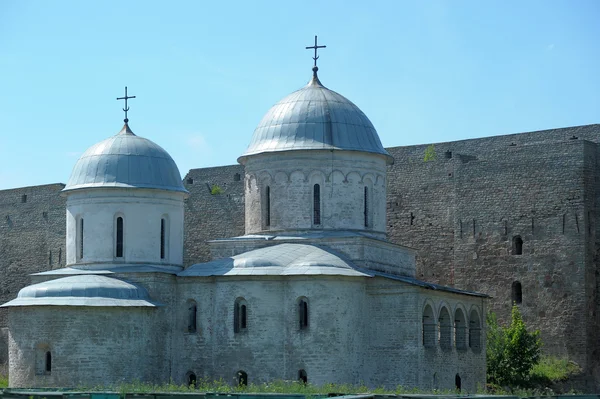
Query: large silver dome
315 118
126 160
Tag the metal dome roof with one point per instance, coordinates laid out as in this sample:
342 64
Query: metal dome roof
126 160
315 118
280 260
84 290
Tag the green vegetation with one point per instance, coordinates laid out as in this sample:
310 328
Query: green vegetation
552 369
281 387
216 190
514 358
3 381
511 351
430 154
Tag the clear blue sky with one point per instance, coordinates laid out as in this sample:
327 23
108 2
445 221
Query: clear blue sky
205 72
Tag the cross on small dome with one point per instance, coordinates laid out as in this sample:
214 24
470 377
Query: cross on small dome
126 107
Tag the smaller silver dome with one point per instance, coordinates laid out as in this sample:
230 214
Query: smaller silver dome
82 290
126 160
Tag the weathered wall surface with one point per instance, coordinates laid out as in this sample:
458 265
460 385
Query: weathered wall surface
338 346
272 346
343 178
3 347
209 216
462 210
396 351
109 351
544 188
32 237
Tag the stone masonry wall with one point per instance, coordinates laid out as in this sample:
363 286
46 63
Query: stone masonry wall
466 206
32 238
115 346
500 186
272 346
214 209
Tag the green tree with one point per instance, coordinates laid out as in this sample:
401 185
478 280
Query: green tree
511 351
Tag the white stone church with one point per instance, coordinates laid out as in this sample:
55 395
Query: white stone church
313 291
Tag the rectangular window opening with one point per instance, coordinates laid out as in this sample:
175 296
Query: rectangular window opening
119 243
317 204
162 238
80 237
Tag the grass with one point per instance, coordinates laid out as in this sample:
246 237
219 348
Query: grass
549 370
279 387
554 369
3 381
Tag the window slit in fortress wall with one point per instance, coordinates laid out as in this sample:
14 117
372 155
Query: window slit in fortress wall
517 293
517 245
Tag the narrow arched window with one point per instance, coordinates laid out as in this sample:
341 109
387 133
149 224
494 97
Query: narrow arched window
474 331
302 376
192 313
240 315
517 293
243 316
458 382
191 380
119 238
303 313
48 367
268 206
316 204
517 245
242 378
460 330
80 239
366 207
428 328
162 237
445 331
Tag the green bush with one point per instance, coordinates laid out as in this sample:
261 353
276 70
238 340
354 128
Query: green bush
3 381
216 190
512 352
429 154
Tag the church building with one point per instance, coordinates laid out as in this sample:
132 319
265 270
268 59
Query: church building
313 291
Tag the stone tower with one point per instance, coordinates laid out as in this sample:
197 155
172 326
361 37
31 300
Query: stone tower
315 162
125 205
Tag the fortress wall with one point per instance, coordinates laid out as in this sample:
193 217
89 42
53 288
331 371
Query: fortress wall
467 206
32 237
210 216
592 204
534 191
486 179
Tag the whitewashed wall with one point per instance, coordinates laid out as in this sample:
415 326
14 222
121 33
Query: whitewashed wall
141 210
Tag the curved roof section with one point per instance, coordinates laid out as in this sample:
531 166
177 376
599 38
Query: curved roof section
126 160
281 260
315 118
86 290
